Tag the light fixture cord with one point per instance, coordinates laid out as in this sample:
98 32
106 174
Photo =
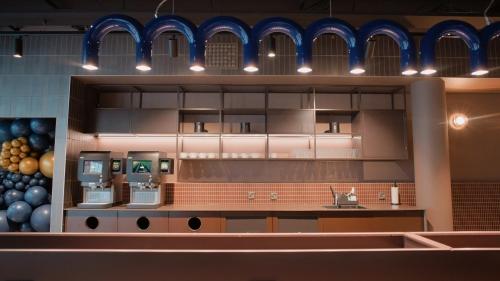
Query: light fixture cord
158 7
486 18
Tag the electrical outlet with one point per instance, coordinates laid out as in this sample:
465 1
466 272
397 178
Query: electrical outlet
381 195
251 195
274 195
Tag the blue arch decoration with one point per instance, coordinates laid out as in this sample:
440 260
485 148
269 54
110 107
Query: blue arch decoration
282 25
337 27
487 34
459 28
399 34
104 25
157 26
224 24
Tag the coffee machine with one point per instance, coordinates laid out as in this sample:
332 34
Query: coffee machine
100 175
144 175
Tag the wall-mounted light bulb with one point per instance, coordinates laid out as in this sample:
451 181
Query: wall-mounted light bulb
304 69
480 72
18 51
143 67
271 53
197 68
90 67
428 71
357 70
251 68
409 72
458 121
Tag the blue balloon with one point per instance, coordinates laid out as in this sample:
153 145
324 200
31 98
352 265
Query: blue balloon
40 218
2 188
33 182
12 196
8 184
5 225
16 177
26 179
20 128
1 201
39 142
43 182
38 175
41 125
20 186
19 211
25 227
5 134
36 196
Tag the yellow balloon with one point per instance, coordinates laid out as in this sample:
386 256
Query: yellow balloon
25 148
15 159
46 164
15 151
15 143
6 154
23 140
6 145
5 163
28 166
13 167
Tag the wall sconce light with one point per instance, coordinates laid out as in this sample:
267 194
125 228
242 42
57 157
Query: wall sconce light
458 121
18 52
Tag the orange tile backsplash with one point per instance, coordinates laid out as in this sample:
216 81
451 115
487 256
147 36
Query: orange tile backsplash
288 193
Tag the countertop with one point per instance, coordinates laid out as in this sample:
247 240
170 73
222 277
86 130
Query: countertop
263 208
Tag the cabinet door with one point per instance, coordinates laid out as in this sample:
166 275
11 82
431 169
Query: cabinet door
194 222
247 223
154 121
296 223
90 221
115 120
383 134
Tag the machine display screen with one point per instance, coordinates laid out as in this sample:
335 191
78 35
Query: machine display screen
116 166
141 166
92 167
165 166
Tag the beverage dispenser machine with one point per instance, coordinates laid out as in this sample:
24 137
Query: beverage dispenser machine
144 175
100 175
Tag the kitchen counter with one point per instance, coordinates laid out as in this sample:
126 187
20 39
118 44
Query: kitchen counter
264 208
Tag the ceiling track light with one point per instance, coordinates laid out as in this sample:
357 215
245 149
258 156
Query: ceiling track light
173 47
18 51
271 53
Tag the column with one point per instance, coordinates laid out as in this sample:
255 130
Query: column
431 152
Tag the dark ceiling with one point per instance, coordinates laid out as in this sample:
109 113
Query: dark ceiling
73 12
383 7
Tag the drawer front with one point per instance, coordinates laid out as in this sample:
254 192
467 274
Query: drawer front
91 221
142 221
194 222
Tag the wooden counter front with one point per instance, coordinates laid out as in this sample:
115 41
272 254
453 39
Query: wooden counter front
244 219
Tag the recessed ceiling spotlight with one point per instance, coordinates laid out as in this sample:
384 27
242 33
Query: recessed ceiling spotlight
90 67
409 72
143 67
304 69
251 68
197 68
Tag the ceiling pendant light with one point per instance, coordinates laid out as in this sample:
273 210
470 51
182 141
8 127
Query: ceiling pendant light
173 47
18 51
271 53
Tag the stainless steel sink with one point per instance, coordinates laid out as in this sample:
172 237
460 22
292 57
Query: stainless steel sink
344 207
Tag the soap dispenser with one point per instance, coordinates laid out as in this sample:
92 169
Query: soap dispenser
395 194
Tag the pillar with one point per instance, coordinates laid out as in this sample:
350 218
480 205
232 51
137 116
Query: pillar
431 152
